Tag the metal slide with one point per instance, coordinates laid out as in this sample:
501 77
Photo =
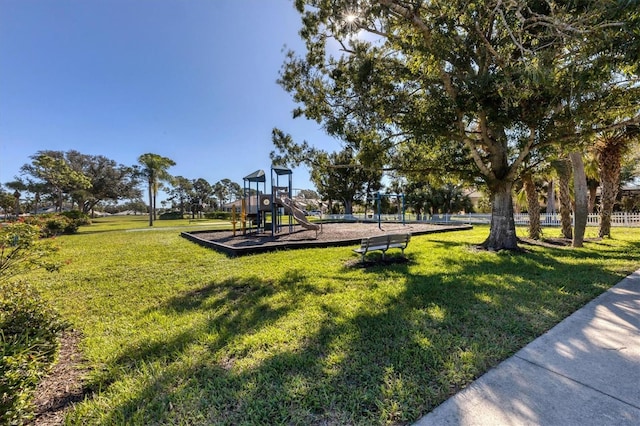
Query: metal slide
298 214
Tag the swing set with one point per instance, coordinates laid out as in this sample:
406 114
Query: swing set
378 199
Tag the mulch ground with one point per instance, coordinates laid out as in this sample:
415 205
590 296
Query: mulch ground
63 386
330 232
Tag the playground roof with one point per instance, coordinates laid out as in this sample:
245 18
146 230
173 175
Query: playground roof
279 170
257 176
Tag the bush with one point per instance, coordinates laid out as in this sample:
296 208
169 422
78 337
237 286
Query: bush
53 224
22 249
59 224
79 218
28 344
170 216
219 215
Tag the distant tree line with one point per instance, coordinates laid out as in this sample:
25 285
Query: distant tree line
58 180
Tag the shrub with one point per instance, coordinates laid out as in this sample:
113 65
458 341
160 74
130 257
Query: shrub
219 215
53 224
28 327
22 249
28 344
170 216
59 224
79 218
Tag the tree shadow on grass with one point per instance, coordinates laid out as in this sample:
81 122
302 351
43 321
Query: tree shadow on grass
388 360
376 259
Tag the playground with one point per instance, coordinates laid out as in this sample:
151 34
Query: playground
273 221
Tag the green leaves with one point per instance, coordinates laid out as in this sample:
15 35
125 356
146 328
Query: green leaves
503 80
22 249
28 342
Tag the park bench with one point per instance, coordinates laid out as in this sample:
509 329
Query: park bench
383 243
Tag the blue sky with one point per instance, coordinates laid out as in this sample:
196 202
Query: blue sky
192 80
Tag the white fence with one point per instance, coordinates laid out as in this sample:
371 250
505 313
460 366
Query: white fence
617 219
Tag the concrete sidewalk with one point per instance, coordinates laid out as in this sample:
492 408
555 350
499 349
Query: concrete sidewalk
584 371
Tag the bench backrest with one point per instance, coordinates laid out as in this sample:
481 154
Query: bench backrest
399 239
385 240
374 241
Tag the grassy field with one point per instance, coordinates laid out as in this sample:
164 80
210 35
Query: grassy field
176 333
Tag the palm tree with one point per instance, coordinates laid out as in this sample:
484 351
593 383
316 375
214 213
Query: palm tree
530 192
593 178
562 166
581 197
610 147
154 169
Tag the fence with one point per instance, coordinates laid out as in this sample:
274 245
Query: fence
549 219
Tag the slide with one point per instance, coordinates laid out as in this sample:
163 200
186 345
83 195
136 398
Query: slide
298 214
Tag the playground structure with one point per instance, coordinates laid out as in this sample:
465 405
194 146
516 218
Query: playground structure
257 207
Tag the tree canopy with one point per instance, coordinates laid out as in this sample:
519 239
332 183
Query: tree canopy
73 176
225 190
489 81
109 181
50 172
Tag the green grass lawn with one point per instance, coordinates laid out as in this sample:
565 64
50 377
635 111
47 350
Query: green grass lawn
177 333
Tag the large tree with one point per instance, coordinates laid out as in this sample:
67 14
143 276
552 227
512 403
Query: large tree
202 192
490 78
109 181
181 192
226 191
338 177
50 172
154 170
84 179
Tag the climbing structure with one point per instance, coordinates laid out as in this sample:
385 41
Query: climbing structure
279 202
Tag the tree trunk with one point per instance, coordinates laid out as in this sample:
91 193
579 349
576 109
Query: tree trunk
593 191
155 195
59 203
551 198
563 167
609 156
502 235
533 207
348 207
581 198
150 204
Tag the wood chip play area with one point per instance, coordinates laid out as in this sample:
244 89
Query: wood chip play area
330 235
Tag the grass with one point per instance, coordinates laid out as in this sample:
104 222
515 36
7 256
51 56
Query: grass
176 333
141 223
